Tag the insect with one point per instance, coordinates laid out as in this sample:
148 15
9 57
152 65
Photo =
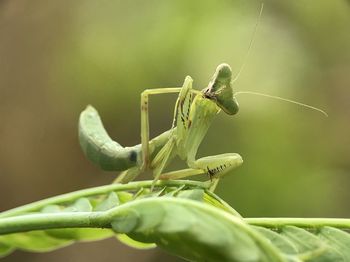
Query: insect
194 112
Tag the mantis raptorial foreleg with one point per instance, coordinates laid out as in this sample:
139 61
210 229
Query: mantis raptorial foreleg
218 165
215 166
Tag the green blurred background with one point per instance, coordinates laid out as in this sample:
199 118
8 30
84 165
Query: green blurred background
58 56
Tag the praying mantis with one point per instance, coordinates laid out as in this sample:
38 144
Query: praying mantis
193 114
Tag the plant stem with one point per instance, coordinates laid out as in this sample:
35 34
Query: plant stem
309 223
70 197
52 221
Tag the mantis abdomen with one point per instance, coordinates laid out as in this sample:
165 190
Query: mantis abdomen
99 148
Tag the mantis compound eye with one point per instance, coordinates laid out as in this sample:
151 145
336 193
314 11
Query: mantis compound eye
220 90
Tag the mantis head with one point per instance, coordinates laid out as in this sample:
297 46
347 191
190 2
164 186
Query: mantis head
220 90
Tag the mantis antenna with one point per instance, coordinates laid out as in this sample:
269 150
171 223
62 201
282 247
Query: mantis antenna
283 99
261 94
250 44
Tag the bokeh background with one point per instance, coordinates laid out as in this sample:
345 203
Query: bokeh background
58 56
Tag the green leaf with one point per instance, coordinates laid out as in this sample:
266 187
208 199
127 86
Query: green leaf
214 200
278 240
195 231
125 222
5 249
125 239
79 234
124 197
51 209
317 245
111 201
194 194
337 239
81 205
35 241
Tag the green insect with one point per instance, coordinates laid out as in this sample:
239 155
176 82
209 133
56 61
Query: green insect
194 112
